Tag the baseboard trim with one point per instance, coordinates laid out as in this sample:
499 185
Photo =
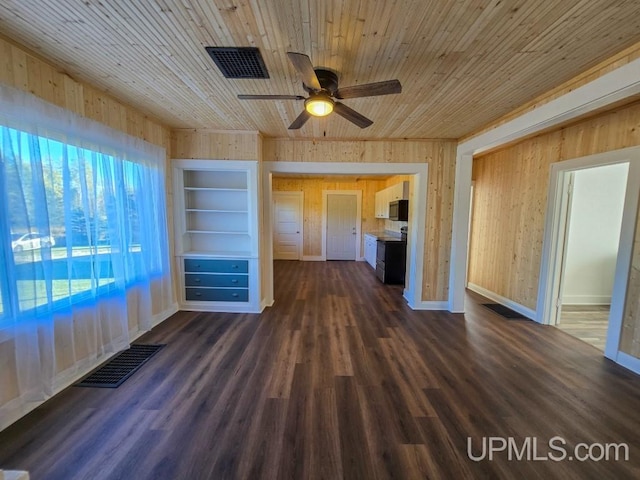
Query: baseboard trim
158 318
586 300
629 362
313 258
521 309
430 305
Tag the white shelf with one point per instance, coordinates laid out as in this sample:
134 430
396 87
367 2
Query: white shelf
215 199
217 178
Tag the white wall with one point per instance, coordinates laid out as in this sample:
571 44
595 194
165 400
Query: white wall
594 234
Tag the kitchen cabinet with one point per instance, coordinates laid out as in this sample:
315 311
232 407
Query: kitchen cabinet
382 204
370 246
399 191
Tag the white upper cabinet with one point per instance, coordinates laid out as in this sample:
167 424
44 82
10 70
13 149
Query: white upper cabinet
399 191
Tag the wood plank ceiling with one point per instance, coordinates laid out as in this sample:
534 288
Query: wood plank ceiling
462 63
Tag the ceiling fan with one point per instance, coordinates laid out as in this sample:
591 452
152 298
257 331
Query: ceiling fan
322 86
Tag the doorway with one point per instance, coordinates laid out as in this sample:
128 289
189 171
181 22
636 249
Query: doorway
550 286
287 225
417 218
342 224
590 240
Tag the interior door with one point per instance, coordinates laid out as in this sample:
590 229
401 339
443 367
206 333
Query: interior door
287 225
341 226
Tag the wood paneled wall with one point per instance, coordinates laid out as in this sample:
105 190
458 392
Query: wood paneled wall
510 199
624 57
354 151
312 189
24 70
215 144
439 154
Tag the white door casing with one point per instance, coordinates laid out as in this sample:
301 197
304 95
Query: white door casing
287 225
551 256
612 87
341 226
417 218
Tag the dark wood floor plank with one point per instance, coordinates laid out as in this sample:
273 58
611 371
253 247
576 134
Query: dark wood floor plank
356 456
298 427
338 379
326 452
383 436
285 363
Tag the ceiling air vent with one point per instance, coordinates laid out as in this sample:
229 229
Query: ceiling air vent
239 62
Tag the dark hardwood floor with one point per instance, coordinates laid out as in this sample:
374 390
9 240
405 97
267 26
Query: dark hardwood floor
339 379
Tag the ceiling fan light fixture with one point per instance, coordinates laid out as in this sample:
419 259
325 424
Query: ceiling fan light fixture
319 105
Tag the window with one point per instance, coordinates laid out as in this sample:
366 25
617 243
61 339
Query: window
76 223
84 252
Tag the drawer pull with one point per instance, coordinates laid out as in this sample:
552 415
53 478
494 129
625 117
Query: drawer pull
197 280
234 266
235 295
198 294
234 280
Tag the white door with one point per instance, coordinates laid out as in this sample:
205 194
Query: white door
287 225
341 226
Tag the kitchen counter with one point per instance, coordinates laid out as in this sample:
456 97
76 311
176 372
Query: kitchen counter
385 236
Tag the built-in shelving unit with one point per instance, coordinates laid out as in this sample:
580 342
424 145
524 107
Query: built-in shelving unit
216 225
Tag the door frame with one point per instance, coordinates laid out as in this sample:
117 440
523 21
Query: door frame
300 196
325 213
555 224
417 218
609 89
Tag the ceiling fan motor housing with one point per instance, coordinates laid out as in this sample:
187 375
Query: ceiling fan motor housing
328 81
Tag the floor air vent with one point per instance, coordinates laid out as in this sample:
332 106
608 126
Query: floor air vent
113 373
239 62
504 311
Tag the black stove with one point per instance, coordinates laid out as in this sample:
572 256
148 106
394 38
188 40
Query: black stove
391 258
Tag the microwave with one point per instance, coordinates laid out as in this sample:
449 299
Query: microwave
399 210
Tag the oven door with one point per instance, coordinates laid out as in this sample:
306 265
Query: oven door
380 250
380 254
380 270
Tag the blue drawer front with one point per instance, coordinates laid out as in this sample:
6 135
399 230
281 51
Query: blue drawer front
218 294
215 266
212 280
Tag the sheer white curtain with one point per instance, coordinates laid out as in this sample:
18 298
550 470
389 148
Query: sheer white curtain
83 247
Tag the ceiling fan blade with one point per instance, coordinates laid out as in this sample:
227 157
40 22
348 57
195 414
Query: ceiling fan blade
351 115
303 65
270 97
300 121
370 89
